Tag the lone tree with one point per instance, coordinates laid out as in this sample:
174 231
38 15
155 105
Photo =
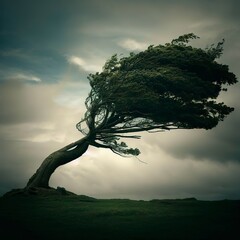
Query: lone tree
165 87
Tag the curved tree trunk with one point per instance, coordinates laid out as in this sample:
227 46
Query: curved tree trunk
56 159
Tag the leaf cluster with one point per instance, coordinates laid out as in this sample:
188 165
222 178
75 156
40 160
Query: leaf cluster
169 86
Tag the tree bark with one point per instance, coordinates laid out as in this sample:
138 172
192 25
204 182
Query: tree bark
56 159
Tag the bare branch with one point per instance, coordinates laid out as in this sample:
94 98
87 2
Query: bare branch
99 145
74 144
136 129
126 136
140 160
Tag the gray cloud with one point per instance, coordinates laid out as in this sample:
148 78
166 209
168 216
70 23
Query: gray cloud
103 175
172 173
18 99
33 123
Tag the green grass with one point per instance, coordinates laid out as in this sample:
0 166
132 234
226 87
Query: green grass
79 217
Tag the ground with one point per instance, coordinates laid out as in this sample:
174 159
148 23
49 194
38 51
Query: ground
82 217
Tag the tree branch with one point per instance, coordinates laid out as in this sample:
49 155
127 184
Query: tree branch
74 144
99 145
138 129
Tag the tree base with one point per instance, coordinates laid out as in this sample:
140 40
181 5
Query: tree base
38 191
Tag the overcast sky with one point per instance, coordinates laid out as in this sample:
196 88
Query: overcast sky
47 49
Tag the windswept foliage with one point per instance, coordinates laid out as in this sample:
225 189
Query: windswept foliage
165 87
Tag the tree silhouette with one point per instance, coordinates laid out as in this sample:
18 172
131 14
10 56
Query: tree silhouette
165 87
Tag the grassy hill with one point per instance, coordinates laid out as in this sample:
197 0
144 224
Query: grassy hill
82 217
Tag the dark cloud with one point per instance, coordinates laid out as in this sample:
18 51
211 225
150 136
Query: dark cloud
43 32
48 65
223 143
219 145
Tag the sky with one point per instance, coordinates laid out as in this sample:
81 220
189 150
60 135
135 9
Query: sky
47 50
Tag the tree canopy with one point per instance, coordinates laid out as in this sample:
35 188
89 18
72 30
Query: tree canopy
165 87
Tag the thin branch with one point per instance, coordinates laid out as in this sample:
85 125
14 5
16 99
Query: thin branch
140 160
138 129
99 145
125 136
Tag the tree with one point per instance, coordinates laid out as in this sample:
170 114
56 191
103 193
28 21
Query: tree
165 87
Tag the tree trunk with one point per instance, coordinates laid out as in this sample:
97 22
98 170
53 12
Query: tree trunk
56 159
